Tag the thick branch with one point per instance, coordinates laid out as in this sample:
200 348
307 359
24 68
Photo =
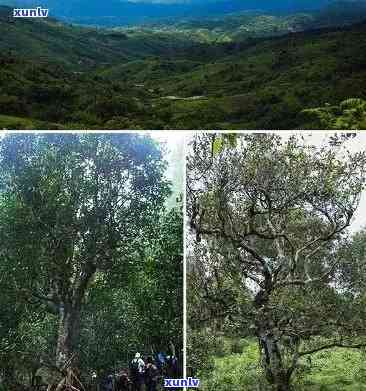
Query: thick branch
82 282
332 345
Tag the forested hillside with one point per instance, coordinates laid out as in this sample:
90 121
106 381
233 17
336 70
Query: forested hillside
241 25
272 74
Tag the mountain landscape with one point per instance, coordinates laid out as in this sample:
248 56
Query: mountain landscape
249 69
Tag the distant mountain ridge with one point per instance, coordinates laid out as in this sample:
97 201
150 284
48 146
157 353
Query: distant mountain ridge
122 12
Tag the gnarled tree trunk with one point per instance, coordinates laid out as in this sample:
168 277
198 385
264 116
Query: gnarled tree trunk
277 373
68 332
69 312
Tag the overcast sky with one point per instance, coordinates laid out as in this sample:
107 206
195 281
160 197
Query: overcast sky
355 144
174 146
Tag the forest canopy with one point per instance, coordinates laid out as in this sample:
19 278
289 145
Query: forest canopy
91 258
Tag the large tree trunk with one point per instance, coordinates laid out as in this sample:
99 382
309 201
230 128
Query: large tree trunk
276 372
68 332
69 316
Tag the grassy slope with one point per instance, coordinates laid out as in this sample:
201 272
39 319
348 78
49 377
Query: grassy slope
336 370
11 122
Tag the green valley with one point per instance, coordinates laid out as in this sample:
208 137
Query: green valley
239 72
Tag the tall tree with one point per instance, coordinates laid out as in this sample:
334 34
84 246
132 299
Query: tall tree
145 306
272 214
72 205
159 287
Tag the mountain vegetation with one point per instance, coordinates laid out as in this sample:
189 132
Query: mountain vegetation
242 71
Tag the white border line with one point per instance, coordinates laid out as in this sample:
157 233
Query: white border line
184 192
183 131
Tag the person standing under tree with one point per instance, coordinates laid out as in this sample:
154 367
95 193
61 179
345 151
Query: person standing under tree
123 382
151 375
137 370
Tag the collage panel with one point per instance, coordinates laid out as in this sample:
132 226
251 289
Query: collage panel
182 64
275 251
91 261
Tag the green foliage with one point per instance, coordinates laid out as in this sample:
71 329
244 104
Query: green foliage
341 370
194 75
83 221
250 24
11 122
270 255
349 114
202 345
158 287
233 372
223 140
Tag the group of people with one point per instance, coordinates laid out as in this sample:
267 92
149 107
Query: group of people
144 374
